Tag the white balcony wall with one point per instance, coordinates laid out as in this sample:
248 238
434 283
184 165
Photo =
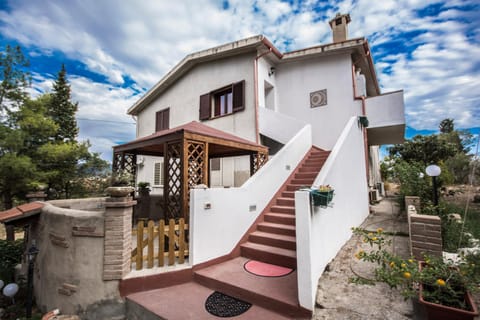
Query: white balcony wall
278 126
385 110
321 232
220 217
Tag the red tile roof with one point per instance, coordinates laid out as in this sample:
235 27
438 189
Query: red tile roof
197 128
22 211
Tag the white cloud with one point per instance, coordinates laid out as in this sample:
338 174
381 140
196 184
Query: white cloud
437 66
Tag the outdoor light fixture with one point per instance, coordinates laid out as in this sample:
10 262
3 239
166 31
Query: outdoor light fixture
434 171
272 71
31 256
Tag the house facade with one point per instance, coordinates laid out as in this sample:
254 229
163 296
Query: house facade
231 86
320 113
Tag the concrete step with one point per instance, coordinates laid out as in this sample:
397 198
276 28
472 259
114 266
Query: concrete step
273 255
288 194
187 302
280 218
306 175
283 209
274 240
277 228
289 202
306 182
309 169
295 187
278 294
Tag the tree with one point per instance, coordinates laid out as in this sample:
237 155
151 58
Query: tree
62 110
14 77
446 126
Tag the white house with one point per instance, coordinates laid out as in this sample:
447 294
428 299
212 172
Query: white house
303 105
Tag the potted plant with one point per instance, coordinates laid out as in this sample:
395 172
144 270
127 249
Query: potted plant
121 184
442 287
143 188
322 195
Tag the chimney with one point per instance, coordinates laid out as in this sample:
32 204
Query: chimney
339 27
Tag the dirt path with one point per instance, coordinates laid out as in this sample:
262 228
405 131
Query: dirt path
337 298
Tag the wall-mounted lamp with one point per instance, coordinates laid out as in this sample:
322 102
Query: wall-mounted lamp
272 71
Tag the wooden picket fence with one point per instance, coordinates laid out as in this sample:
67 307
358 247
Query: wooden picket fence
165 243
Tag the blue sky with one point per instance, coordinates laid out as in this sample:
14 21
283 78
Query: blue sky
114 51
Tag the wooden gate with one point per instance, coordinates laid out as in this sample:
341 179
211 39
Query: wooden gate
163 243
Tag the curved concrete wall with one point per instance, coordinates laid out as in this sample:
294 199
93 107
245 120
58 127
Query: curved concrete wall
69 266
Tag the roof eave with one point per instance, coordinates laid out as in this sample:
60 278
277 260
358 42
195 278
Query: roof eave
222 51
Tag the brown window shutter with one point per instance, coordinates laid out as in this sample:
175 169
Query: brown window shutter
238 96
162 120
166 119
205 106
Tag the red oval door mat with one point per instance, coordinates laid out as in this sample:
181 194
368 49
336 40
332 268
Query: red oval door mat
266 269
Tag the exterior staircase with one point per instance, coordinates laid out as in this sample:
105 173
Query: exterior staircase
274 240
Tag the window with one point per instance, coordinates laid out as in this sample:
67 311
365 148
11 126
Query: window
158 178
226 100
215 164
162 120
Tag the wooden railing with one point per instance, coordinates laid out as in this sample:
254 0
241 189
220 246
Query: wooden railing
164 243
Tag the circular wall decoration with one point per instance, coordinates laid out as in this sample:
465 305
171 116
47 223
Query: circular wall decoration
263 269
318 98
224 306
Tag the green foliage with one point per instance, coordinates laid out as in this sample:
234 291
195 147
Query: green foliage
413 182
62 110
11 253
38 138
444 283
14 77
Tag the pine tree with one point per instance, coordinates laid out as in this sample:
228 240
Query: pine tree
62 110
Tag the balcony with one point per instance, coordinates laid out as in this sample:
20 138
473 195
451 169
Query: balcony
386 118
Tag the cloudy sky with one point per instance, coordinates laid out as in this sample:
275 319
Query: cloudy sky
114 51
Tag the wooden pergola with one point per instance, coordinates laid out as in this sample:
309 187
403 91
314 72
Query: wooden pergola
186 151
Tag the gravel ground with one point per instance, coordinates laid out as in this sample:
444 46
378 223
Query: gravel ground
337 298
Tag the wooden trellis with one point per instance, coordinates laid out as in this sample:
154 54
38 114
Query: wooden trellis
173 180
257 160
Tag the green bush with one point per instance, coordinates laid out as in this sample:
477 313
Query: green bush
11 253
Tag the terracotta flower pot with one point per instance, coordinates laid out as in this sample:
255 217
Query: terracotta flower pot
438 311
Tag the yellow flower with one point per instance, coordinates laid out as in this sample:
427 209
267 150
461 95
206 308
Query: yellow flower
403 265
359 254
379 230
407 275
410 260
440 282
370 235
392 264
374 238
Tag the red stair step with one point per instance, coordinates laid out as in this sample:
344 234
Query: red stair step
282 218
283 209
290 202
279 256
274 240
276 228
295 187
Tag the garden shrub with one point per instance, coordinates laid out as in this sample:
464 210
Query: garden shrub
11 254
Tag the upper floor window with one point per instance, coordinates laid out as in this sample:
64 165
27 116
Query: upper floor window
162 120
226 100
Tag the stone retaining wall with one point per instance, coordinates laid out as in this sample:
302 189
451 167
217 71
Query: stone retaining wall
425 232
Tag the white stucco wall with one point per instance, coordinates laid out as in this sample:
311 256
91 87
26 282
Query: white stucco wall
216 231
183 97
325 230
296 80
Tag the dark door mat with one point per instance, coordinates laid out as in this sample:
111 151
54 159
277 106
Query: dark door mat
224 306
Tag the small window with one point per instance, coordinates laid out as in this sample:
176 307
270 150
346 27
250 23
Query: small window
215 164
227 100
223 102
162 120
158 178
